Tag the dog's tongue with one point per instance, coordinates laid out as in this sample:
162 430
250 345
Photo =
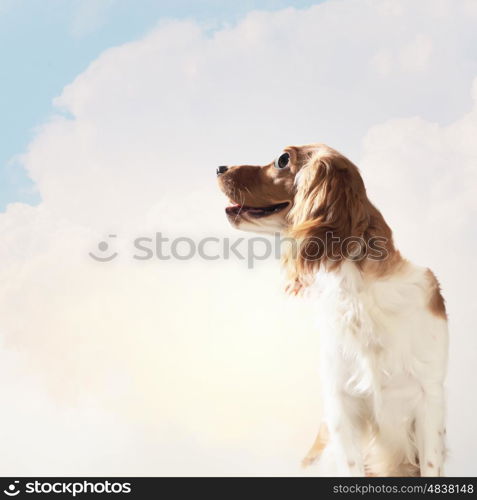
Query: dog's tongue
254 211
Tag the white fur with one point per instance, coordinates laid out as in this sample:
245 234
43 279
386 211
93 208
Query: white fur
383 363
272 224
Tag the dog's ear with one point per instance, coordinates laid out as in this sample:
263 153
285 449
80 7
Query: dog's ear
330 210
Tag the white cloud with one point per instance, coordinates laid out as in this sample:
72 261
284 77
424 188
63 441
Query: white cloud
416 54
204 366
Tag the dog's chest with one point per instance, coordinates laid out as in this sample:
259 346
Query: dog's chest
367 329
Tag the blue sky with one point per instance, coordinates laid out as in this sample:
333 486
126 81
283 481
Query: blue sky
44 44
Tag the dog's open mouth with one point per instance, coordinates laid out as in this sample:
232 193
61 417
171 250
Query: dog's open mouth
256 212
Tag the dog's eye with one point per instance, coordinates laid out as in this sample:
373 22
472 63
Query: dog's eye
282 161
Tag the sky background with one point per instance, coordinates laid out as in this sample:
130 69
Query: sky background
119 115
45 44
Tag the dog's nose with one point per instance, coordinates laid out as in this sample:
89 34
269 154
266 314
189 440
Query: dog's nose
222 169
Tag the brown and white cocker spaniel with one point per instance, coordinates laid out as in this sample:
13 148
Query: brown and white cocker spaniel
381 319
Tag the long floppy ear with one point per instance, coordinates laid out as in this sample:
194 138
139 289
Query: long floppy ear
330 210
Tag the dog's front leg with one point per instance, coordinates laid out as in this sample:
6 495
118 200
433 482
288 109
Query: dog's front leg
344 425
430 431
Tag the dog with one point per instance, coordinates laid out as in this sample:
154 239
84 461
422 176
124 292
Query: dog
382 320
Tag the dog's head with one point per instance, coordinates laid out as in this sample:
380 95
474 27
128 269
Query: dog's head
305 185
311 192
261 197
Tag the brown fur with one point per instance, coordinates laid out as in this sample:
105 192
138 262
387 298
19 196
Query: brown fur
332 199
257 186
436 301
